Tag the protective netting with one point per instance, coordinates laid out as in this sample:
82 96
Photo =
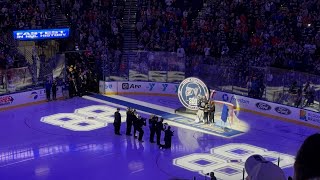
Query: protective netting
15 79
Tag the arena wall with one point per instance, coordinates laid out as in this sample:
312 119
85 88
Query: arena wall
136 88
264 108
25 98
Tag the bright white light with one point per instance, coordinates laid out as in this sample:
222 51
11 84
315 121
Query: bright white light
83 119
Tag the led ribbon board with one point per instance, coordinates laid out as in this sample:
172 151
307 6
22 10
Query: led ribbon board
41 34
190 90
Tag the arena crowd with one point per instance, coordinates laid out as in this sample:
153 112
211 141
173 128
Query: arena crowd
234 33
278 33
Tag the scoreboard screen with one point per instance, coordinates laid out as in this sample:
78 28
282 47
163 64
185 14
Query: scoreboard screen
41 34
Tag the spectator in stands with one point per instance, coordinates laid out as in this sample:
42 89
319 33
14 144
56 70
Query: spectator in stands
298 98
293 88
97 28
281 34
311 96
180 52
212 176
258 168
306 166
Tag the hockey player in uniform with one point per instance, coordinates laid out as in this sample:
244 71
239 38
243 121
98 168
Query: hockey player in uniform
200 113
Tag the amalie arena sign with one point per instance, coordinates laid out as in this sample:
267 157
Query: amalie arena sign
40 34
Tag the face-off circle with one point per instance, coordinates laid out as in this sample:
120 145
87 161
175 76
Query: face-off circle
190 90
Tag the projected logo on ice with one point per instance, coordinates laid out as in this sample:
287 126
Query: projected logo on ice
190 90
227 161
83 119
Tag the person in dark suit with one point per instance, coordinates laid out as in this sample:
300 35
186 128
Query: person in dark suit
78 81
129 122
140 123
152 127
167 138
117 122
159 128
70 87
54 90
206 112
48 86
212 109
135 122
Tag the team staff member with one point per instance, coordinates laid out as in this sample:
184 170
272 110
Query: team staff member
152 127
48 86
117 122
129 122
54 90
140 123
159 128
135 122
167 138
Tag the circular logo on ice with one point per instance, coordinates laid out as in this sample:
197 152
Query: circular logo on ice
190 90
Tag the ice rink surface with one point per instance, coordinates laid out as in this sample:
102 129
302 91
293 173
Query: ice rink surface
60 140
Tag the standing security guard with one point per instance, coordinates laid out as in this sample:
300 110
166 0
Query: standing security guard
117 122
152 126
159 128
